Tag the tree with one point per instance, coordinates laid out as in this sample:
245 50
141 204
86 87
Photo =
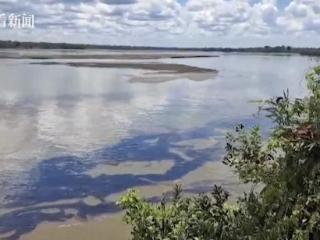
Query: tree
284 171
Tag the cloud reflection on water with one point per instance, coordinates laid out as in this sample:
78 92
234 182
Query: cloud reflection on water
58 123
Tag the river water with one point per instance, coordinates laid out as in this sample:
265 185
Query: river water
73 137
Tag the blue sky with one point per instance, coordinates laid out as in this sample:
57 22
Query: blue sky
283 3
182 1
185 23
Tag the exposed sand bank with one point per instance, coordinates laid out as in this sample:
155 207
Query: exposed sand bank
85 55
160 67
154 72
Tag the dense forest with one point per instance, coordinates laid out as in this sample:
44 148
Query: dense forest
265 49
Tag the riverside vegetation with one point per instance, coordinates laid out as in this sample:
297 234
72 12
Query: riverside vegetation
266 49
283 170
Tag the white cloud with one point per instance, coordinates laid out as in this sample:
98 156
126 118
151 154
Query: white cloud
234 16
301 16
119 21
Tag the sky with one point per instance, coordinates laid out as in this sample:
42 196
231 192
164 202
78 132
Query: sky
176 23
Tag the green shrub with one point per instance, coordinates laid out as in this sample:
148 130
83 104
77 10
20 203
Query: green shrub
284 171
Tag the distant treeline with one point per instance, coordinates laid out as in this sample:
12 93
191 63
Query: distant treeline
265 49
